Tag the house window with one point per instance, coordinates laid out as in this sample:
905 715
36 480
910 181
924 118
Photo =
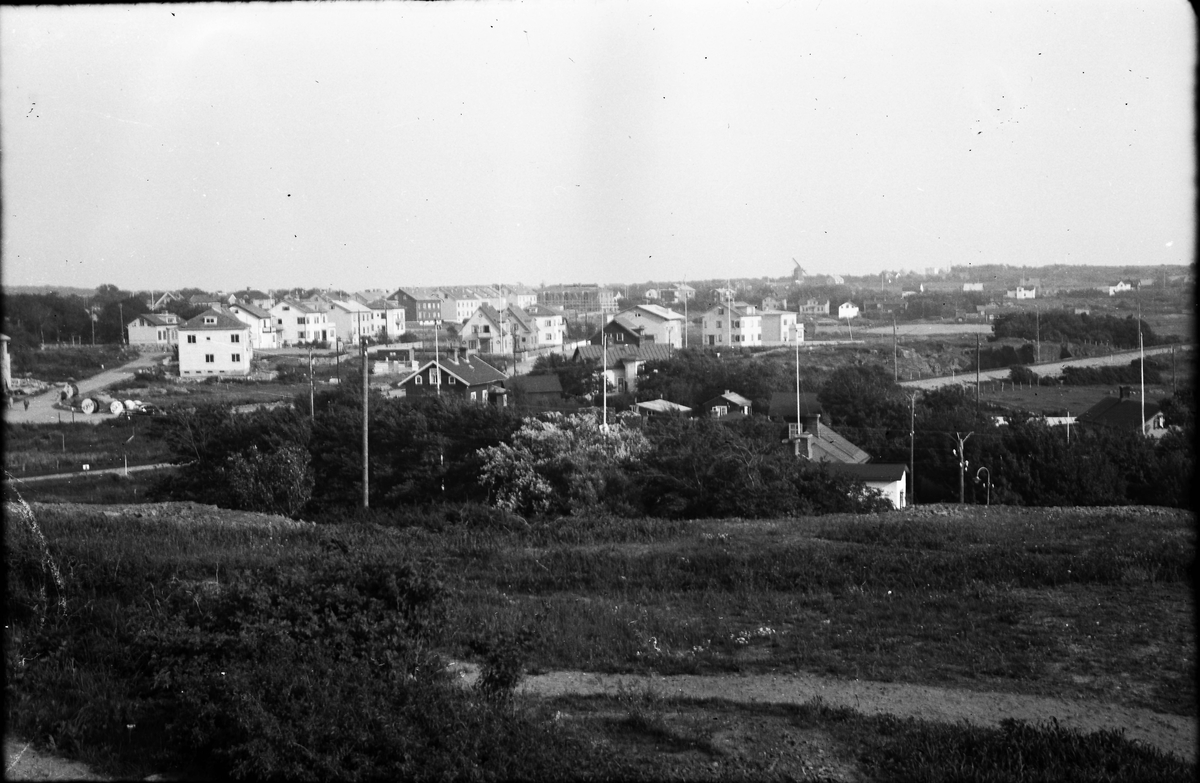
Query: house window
719 410
619 337
236 338
718 324
237 357
210 320
191 338
433 375
208 358
473 396
487 329
417 380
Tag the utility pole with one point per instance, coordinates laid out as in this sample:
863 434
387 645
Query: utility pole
977 374
437 362
604 379
960 452
912 433
362 351
92 318
1142 365
895 352
121 311
312 403
1037 317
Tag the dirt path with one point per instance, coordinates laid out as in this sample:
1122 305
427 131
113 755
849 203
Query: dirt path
1172 733
41 407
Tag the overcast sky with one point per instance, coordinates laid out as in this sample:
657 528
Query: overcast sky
377 145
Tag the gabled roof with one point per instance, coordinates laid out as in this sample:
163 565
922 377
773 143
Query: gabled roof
521 317
662 407
1116 412
299 307
156 319
657 311
416 292
828 446
876 471
223 321
471 371
350 306
626 321
783 405
617 355
542 311
203 298
731 397
251 309
549 383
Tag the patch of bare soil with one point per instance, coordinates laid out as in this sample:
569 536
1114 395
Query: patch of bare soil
22 762
1172 733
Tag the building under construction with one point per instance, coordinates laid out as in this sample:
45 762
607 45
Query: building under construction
577 300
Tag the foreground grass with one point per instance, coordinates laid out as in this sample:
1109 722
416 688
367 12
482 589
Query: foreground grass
224 644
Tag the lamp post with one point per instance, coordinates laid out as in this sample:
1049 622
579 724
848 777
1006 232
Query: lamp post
963 464
978 480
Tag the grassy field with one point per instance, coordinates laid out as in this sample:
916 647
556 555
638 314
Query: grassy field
40 449
1074 603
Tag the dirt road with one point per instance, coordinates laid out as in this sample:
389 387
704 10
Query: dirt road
42 410
1173 733
1046 370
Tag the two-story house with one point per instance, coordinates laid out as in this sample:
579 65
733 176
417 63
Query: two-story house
780 327
489 330
735 324
154 330
422 306
549 325
298 323
214 343
815 307
389 319
263 335
353 320
621 364
658 324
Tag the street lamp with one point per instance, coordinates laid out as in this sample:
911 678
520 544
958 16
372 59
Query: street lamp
978 480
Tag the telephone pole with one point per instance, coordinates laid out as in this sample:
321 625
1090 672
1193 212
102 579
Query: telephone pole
960 452
362 351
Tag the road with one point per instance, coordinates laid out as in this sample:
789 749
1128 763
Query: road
78 473
1046 370
42 410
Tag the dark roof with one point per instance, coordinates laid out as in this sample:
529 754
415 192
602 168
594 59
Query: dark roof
1116 412
535 384
876 471
831 447
783 405
472 371
649 352
223 321
252 309
155 319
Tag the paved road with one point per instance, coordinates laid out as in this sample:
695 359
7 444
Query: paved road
1046 370
42 410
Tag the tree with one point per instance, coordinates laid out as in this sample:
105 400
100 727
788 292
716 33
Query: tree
279 482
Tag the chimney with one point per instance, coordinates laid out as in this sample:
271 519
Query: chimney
1124 393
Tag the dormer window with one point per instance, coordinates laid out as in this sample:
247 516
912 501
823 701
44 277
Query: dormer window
209 320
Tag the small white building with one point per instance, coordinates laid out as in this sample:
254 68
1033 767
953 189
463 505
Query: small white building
1021 293
263 335
548 324
154 330
214 343
389 319
847 310
1122 285
353 320
738 325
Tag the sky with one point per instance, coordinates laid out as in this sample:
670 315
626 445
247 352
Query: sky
378 145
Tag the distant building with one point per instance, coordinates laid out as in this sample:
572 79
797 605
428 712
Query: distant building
847 310
736 324
1117 288
1021 293
154 330
467 377
263 335
578 299
299 323
815 307
780 327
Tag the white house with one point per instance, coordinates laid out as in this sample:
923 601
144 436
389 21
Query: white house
663 325
1113 290
353 320
738 325
299 323
263 335
214 343
548 324
389 319
847 310
154 330
1022 293
888 480
779 327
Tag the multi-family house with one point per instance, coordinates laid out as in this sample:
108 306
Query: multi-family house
735 324
154 330
298 323
214 343
353 320
388 318
579 298
815 307
422 306
683 292
521 295
263 335
549 325
489 330
780 327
